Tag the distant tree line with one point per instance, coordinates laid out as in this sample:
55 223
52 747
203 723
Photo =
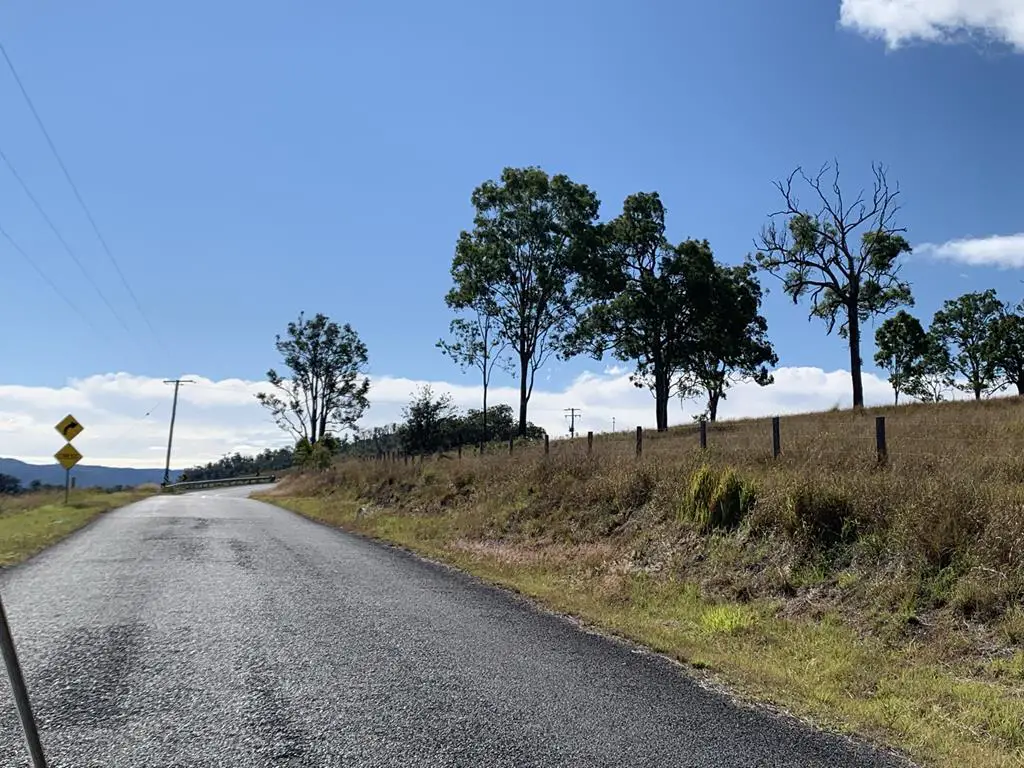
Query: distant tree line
238 465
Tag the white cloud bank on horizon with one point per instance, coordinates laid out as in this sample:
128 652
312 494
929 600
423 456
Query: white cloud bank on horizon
126 416
1002 251
899 22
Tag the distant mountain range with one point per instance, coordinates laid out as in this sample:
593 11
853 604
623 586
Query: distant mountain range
86 476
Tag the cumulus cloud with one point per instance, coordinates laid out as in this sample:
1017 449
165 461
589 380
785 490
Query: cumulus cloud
899 22
1003 251
126 416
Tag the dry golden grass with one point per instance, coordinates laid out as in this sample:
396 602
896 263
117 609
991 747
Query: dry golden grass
882 599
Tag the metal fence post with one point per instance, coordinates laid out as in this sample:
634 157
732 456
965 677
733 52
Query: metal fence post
639 441
776 438
28 723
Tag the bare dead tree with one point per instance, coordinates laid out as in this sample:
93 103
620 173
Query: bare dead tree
817 254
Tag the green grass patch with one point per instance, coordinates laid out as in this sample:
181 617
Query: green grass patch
31 522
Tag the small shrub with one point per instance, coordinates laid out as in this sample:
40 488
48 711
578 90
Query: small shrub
821 517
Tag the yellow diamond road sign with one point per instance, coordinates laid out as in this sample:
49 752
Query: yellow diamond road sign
68 456
69 427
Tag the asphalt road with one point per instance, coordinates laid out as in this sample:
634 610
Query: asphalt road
213 630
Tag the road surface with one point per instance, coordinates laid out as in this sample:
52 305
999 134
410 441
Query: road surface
212 630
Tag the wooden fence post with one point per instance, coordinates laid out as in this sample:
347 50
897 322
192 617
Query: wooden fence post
547 444
703 435
590 443
639 441
511 443
776 438
880 444
460 451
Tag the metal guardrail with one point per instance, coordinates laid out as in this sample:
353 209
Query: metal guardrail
195 484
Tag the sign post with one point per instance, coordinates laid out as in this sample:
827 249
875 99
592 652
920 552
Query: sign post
68 456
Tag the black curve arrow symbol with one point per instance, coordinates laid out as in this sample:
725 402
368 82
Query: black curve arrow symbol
69 427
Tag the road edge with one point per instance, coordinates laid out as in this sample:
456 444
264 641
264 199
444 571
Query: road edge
702 676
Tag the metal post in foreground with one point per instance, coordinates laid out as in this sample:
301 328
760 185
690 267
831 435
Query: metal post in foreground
67 485
28 723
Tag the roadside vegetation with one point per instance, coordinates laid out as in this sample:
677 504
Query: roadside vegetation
882 597
32 521
880 600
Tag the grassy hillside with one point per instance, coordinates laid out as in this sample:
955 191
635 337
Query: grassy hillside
30 522
880 598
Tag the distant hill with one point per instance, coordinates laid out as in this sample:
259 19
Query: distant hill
86 476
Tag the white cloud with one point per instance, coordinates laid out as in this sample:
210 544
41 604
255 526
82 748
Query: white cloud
126 416
898 22
1003 251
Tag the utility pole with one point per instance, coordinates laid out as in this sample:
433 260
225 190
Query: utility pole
573 414
170 436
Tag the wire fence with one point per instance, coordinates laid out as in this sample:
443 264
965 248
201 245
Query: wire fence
855 442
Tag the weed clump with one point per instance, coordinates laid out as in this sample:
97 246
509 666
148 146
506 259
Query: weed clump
717 499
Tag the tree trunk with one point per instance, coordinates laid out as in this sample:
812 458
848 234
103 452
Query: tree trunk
485 412
1020 387
855 362
661 397
713 398
977 391
897 401
524 367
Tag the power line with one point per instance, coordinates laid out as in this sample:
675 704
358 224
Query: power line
60 237
78 196
46 279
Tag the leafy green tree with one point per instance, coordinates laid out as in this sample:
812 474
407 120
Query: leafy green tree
732 344
1008 338
967 325
430 422
930 381
520 262
642 295
816 255
326 387
902 344
476 343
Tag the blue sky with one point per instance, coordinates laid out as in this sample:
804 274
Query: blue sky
248 160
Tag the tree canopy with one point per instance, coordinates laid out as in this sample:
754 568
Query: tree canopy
816 254
519 262
902 345
967 327
732 337
325 389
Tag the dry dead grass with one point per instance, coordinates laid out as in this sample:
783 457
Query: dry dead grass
880 598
